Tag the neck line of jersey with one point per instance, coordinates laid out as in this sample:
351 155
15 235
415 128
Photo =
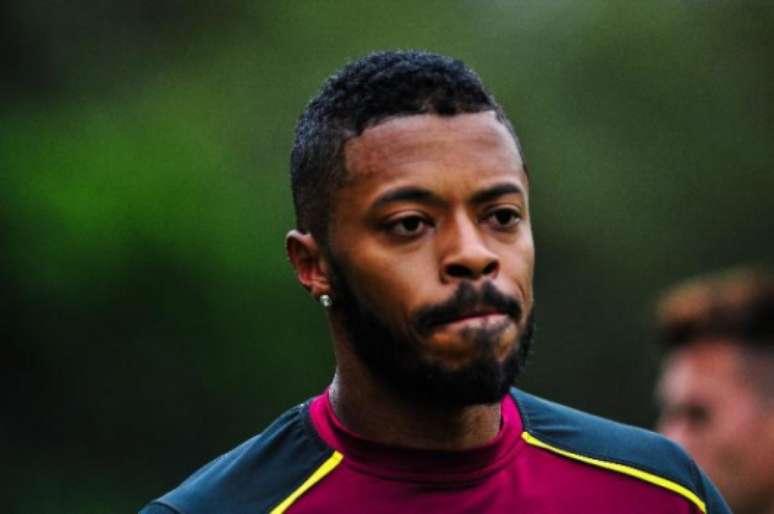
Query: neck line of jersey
418 465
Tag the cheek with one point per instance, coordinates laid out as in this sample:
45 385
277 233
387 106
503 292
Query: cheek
388 282
527 248
518 264
733 439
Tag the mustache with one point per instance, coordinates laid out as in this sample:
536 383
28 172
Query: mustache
466 299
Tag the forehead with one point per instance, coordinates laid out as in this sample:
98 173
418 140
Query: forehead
711 367
427 144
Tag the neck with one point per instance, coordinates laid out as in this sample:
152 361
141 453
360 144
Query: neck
377 413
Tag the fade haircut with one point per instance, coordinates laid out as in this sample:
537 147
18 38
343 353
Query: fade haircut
737 304
365 93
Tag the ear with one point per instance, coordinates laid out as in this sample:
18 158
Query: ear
307 259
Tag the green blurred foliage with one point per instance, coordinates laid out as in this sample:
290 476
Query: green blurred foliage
150 321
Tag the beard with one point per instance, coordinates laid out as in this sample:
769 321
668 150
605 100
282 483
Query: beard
399 363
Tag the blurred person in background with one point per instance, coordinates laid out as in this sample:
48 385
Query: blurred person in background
414 234
716 388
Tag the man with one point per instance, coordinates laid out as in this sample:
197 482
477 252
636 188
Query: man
717 383
413 232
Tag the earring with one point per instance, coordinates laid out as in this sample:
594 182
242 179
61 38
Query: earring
325 301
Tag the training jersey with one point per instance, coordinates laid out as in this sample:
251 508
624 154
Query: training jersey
546 458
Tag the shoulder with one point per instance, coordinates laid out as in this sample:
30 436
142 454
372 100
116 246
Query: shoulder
574 430
615 446
254 476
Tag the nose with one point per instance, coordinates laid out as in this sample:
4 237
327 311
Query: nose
466 255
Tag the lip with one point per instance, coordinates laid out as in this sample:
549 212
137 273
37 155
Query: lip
475 318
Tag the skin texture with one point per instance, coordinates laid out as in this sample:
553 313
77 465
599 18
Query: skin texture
429 202
715 408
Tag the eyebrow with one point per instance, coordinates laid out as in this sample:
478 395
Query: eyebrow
496 191
408 194
418 194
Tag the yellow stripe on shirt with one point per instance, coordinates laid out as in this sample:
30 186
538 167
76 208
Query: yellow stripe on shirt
620 468
320 473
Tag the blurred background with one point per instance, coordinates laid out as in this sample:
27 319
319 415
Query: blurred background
149 318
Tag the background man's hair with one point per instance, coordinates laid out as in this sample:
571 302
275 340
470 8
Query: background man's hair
361 95
737 305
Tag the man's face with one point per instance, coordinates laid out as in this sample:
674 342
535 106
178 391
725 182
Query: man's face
432 254
712 407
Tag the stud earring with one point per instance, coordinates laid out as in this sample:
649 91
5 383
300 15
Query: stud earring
325 301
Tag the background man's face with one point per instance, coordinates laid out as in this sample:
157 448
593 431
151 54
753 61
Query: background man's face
712 407
431 234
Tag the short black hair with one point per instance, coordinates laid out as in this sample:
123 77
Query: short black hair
363 94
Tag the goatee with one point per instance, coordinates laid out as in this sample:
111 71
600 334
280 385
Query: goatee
398 361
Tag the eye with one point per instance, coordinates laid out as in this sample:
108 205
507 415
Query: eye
697 415
408 226
504 217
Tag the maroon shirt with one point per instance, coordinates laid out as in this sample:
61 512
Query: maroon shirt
507 474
